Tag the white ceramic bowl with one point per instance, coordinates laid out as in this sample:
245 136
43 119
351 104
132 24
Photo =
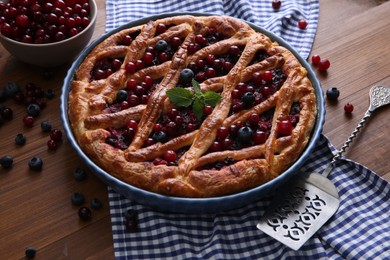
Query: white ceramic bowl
56 53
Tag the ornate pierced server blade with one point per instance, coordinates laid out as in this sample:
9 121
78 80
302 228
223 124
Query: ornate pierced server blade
298 213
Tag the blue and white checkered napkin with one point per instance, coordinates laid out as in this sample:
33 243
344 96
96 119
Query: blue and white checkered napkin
359 230
260 12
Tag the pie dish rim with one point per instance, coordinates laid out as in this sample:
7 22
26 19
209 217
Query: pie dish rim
191 205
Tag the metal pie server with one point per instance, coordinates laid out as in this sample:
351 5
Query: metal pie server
307 203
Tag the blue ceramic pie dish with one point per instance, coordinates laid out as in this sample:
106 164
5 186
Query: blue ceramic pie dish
191 205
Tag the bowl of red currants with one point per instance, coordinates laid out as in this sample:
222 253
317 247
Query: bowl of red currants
46 33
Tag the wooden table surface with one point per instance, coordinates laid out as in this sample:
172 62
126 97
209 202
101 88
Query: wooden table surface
35 208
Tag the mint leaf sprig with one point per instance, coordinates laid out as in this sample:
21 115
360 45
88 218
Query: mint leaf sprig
182 97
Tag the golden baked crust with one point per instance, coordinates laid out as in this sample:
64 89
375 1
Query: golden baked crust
199 171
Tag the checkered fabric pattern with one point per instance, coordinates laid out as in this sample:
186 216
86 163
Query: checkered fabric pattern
283 22
359 230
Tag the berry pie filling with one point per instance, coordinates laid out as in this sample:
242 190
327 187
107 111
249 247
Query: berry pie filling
134 94
104 67
215 65
127 39
259 88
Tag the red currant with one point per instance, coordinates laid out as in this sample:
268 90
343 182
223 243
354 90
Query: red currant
207 110
161 28
267 75
52 145
302 24
28 121
259 137
285 127
170 156
147 58
348 108
56 135
222 133
276 4
132 124
324 65
316 59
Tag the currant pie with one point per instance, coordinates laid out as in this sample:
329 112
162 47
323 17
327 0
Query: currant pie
192 106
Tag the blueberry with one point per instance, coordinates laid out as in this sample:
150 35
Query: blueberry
244 134
85 213
20 139
6 161
248 99
45 126
79 174
96 203
77 199
332 93
49 94
186 75
10 89
160 136
33 110
30 252
121 95
35 164
161 45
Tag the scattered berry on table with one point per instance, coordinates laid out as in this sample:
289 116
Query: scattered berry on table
28 120
52 144
20 139
6 113
332 93
6 161
96 203
35 163
324 65
276 4
56 135
302 24
10 89
348 108
46 126
315 59
77 199
30 252
85 213
80 174
33 110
